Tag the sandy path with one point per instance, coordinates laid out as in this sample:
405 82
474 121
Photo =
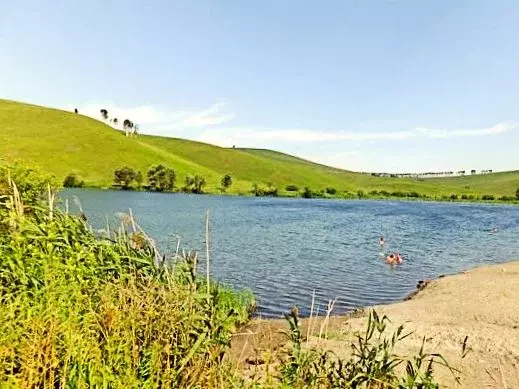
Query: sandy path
482 304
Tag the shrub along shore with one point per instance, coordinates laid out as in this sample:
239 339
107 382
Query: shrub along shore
160 178
105 309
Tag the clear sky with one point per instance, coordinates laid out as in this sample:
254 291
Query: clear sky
363 85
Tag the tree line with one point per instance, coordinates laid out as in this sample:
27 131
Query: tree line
130 128
160 178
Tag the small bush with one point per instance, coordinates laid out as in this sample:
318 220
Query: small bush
331 191
413 195
453 196
292 188
257 190
385 193
194 184
72 181
349 195
373 193
360 194
226 182
373 362
271 191
307 193
126 176
487 197
507 198
398 194
464 197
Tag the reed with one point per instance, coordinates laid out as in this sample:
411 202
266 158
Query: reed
80 310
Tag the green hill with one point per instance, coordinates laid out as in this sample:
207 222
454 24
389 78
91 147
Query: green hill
62 143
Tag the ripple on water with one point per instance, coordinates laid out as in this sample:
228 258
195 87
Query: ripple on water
284 249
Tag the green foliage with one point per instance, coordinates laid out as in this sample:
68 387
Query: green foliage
291 188
331 191
72 181
194 184
161 178
453 196
360 194
80 310
31 182
226 182
271 190
307 193
257 190
373 362
487 197
126 176
517 194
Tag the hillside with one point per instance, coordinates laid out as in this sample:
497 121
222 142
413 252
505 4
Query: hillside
62 143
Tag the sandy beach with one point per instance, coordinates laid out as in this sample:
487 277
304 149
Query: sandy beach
482 303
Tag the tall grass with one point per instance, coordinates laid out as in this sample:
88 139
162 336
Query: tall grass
372 362
79 311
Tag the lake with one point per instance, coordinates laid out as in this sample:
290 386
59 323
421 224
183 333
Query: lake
284 249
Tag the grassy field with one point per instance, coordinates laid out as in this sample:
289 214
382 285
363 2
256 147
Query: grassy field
62 143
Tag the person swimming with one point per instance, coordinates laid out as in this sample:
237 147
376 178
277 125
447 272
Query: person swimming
394 259
381 242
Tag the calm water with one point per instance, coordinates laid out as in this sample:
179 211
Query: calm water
283 249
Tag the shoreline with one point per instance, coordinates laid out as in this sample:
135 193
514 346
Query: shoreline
481 303
284 196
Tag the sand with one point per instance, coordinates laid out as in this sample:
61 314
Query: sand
482 304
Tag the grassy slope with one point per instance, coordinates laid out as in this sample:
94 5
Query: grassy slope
62 143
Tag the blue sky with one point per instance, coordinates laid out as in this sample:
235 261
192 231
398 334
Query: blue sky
363 85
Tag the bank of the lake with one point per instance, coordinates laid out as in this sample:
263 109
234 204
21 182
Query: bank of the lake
481 304
346 195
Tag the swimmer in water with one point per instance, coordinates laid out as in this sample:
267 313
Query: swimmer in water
381 242
394 259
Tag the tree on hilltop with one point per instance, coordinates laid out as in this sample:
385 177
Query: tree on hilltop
127 125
